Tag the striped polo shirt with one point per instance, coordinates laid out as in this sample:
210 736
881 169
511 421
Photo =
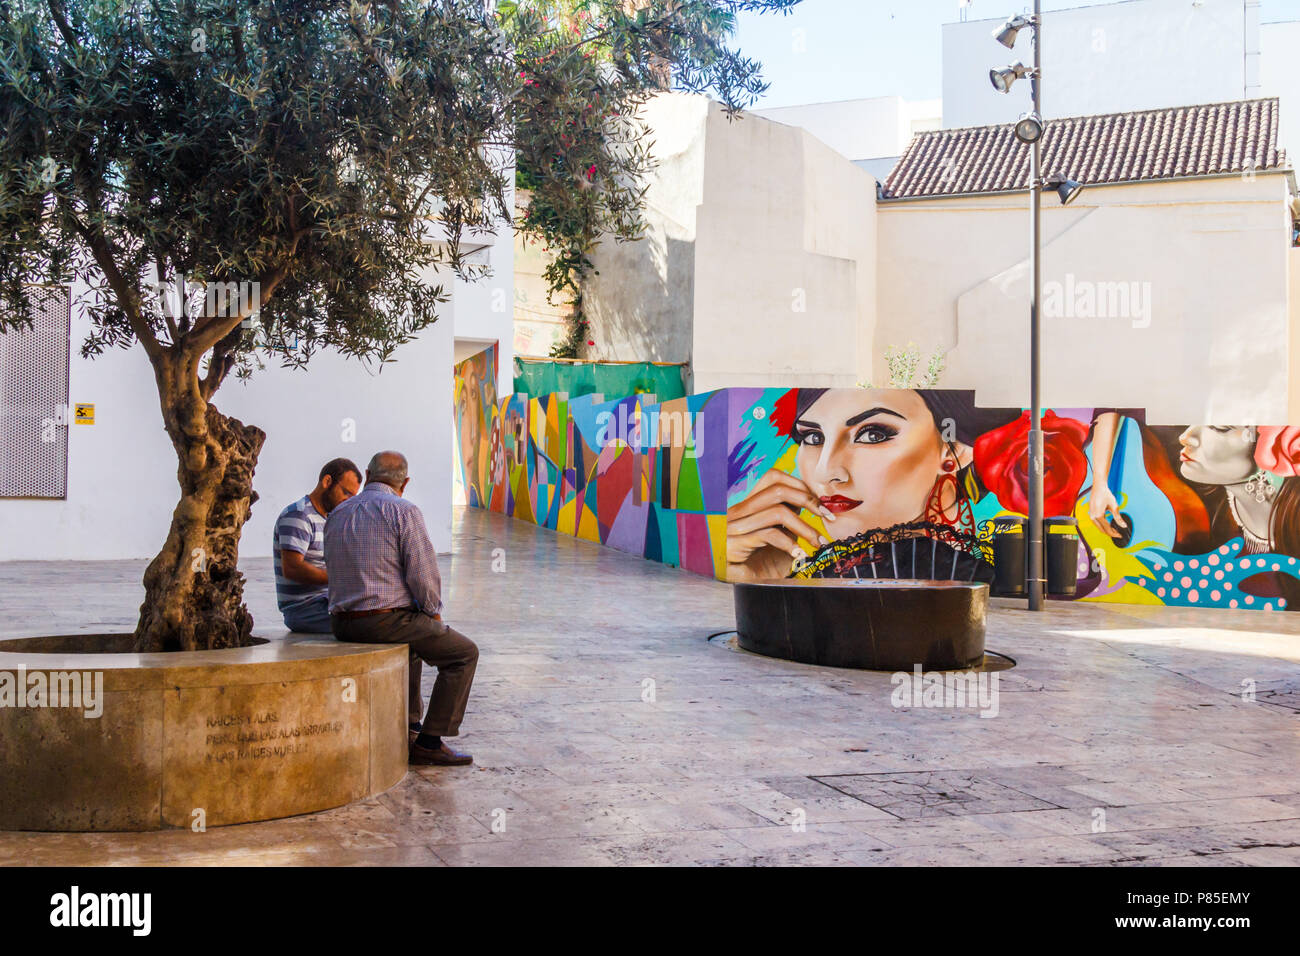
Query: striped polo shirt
300 528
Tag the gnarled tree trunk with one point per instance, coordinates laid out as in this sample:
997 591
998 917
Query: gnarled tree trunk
194 592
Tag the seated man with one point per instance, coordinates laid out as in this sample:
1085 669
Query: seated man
385 589
299 548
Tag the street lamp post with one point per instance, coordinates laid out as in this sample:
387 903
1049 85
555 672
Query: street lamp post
1036 582
1030 130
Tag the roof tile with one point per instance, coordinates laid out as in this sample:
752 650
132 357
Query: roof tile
1113 148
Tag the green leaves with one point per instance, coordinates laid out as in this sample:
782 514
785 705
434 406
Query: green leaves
302 144
585 69
330 152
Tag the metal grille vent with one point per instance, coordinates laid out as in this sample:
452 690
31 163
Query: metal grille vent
34 412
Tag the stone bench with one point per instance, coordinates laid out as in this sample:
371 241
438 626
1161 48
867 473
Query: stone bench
292 725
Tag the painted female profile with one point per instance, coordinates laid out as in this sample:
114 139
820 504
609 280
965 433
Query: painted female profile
1258 470
1256 466
890 472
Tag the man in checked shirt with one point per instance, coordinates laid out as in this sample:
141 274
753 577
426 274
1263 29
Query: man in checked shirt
385 589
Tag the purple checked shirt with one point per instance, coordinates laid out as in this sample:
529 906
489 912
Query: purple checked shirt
378 554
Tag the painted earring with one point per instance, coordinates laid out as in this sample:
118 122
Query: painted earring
949 465
1259 487
935 513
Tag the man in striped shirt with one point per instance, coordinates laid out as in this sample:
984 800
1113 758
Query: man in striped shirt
298 548
385 589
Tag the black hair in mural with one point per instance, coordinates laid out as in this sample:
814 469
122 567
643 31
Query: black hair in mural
969 420
804 398
954 405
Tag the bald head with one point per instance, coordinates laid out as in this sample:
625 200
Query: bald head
388 467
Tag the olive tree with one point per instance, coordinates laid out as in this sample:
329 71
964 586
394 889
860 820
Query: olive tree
232 180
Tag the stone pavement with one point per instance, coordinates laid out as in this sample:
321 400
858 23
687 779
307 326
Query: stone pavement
607 729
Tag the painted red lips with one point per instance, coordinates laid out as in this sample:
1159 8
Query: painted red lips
838 504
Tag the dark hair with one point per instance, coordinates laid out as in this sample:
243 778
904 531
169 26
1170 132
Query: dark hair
957 405
945 404
1284 533
803 400
338 467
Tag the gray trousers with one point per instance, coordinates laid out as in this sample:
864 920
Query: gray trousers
432 642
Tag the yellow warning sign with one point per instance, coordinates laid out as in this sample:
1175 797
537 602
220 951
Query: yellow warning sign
84 415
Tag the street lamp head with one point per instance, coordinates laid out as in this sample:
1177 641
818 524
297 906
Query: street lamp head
1002 79
1067 189
1030 127
1007 33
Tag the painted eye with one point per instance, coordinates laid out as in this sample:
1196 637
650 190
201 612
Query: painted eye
810 438
874 434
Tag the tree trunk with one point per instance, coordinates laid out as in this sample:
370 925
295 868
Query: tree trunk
194 592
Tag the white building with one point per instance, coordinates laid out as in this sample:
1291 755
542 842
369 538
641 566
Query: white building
770 259
872 133
1132 55
1169 282
120 485
758 262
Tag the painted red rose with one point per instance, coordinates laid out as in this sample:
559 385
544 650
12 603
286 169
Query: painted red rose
1278 449
1002 462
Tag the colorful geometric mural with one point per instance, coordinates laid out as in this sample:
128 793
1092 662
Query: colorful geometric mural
623 473
474 403
757 484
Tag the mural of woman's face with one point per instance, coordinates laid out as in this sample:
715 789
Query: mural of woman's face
1217 454
871 455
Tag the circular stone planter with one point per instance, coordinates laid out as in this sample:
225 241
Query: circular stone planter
869 624
95 738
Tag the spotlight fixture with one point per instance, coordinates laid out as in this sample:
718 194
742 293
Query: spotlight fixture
1007 33
1067 189
1029 128
1002 79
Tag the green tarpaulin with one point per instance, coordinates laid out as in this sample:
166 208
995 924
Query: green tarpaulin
611 379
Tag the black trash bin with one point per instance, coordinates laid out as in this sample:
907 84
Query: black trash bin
1062 544
1010 556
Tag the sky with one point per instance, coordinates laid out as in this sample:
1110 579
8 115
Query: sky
843 49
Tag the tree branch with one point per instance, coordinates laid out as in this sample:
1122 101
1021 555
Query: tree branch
126 296
61 21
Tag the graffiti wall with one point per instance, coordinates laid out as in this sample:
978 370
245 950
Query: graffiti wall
474 404
762 484
625 473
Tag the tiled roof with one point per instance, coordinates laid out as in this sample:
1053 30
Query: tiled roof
1115 148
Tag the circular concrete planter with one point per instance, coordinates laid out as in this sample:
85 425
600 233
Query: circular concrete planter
868 624
124 741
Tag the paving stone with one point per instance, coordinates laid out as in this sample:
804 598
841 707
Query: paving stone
1137 712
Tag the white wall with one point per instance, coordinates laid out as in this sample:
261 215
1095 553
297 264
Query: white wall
785 260
863 128
406 407
1109 58
484 312
1213 255
640 296
758 260
1280 77
122 470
